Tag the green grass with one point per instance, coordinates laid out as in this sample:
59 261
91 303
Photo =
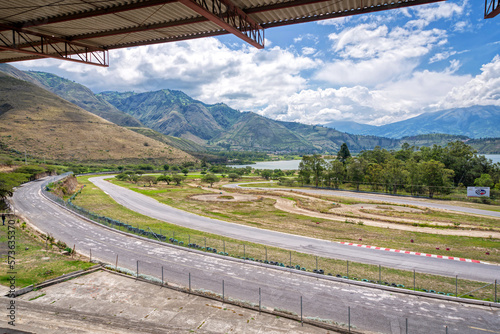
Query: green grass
34 264
94 199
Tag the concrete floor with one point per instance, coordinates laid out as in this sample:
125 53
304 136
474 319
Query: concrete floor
104 302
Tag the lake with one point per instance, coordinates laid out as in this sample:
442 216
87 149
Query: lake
294 164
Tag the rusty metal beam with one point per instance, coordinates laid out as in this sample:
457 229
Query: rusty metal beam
98 11
492 9
45 46
231 18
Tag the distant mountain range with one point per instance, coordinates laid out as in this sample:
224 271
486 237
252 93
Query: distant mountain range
177 120
473 122
218 126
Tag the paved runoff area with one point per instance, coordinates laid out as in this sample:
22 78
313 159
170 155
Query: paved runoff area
105 302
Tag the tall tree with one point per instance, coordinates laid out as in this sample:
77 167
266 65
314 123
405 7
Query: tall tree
314 164
436 176
356 170
343 153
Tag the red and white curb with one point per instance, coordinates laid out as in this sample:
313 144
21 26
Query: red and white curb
414 253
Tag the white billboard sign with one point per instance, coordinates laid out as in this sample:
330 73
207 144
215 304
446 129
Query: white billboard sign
478 191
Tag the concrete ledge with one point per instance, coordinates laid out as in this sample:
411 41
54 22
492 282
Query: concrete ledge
215 297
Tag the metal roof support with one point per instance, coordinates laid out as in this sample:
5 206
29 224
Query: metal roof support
492 9
44 46
231 18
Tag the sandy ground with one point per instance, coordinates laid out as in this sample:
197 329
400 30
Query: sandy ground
342 213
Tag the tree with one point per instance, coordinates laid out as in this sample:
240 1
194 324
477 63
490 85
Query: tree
178 178
266 173
164 178
343 153
185 171
314 164
335 173
435 176
395 174
374 173
484 180
166 167
233 176
210 178
150 179
356 170
122 177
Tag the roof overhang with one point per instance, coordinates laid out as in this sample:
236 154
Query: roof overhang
84 31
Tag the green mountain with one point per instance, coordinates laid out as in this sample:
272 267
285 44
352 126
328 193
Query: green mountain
74 93
174 113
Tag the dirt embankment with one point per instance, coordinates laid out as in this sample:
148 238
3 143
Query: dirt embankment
66 187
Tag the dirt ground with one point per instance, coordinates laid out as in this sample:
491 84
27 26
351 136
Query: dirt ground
342 213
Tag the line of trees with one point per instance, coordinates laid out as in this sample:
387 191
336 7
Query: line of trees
419 171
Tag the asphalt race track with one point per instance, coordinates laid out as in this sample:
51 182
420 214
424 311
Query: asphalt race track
371 309
152 208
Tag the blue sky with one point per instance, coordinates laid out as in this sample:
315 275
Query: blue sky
373 68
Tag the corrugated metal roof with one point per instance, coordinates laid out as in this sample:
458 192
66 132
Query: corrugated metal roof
110 24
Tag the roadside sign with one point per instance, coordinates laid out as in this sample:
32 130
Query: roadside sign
478 191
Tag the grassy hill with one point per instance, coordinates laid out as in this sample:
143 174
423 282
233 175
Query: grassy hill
74 93
45 125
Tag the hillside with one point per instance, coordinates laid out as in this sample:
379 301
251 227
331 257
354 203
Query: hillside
179 143
74 93
174 113
45 125
473 122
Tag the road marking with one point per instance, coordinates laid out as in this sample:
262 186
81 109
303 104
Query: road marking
484 330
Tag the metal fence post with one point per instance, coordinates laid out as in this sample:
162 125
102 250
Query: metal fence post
223 291
349 318
244 252
260 301
189 239
446 327
406 325
456 286
205 242
496 300
290 258
91 256
379 274
189 282
414 280
266 252
137 266
116 263
224 242
348 269
316 262
301 320
162 275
